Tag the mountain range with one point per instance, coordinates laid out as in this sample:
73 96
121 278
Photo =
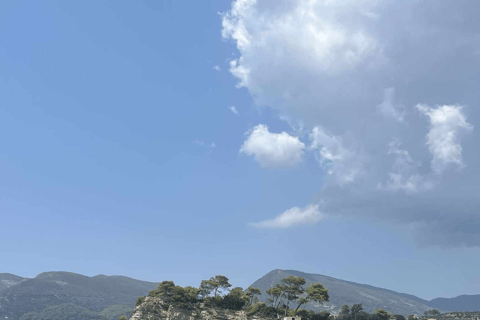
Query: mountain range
346 292
19 296
61 295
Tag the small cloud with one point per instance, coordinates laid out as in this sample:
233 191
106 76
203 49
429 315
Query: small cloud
217 68
292 217
274 150
388 107
234 110
446 123
199 143
202 143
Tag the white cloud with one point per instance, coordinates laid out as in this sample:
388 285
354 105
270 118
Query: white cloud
217 68
274 150
291 218
446 123
324 66
234 110
338 161
202 143
389 109
404 175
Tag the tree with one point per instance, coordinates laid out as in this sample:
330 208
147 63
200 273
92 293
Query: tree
411 317
356 308
432 313
206 288
301 301
214 285
398 317
252 293
345 310
292 289
234 300
315 292
318 293
165 290
221 283
382 314
191 293
275 293
122 317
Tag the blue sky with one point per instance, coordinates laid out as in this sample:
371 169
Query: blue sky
351 153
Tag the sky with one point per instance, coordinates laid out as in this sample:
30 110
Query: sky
178 140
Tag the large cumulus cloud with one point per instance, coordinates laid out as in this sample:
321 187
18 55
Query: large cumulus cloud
388 94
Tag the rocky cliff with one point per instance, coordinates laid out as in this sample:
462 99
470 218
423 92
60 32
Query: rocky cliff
155 309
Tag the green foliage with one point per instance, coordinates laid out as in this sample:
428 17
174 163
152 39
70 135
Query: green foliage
214 285
234 300
411 317
252 293
122 318
382 314
61 312
311 315
345 310
292 288
262 310
207 287
356 308
172 294
115 311
432 313
139 301
317 292
275 293
399 317
191 293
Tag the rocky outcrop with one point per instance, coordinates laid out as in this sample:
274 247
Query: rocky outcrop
156 309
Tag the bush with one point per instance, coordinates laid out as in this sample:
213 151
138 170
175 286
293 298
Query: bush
140 301
256 308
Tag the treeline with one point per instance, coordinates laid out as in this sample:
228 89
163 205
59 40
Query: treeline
284 299
217 291
356 312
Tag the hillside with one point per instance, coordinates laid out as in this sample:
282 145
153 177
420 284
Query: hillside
346 292
7 280
460 303
62 288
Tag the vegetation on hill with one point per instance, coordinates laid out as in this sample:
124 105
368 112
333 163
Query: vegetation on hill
48 289
345 292
73 312
216 292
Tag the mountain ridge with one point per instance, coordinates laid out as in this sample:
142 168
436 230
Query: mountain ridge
61 288
371 297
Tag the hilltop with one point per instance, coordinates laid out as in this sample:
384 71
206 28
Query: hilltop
347 292
19 296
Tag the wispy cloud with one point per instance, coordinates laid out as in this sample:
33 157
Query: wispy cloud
234 110
217 68
202 143
291 218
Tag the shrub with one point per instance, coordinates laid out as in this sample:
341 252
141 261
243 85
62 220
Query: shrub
140 301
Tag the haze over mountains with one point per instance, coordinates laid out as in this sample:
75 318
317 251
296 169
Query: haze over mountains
106 297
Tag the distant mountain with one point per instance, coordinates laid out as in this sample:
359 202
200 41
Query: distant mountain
460 303
345 292
7 280
20 296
